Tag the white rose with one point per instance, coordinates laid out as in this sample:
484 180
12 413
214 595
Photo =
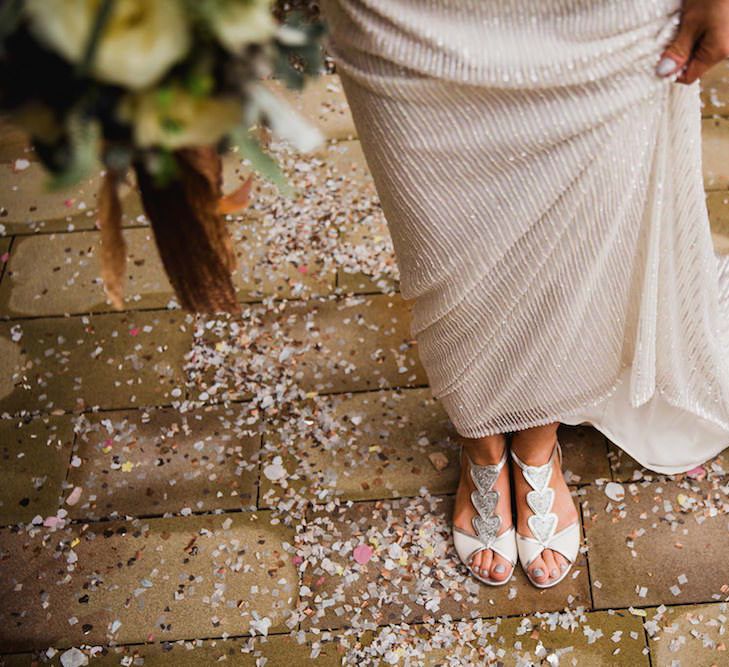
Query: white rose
179 119
237 23
141 40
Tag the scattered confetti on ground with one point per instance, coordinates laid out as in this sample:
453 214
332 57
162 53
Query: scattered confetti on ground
279 483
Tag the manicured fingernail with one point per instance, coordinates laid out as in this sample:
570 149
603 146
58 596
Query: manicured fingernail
538 572
563 566
499 569
666 66
554 572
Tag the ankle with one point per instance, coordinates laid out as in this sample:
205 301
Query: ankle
534 451
484 451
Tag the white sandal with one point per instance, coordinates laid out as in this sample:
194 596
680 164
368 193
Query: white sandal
543 523
486 524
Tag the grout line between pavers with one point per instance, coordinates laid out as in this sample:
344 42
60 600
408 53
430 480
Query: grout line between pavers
50 232
4 268
336 630
251 509
257 301
587 555
647 644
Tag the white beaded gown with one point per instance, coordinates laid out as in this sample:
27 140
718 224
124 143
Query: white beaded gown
543 189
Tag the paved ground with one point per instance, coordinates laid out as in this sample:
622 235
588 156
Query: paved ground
179 490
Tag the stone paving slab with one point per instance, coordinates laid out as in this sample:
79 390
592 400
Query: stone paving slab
54 274
323 104
599 639
717 203
15 143
328 346
715 90
150 580
362 343
111 361
28 204
715 143
276 650
60 273
648 549
351 590
625 468
35 456
584 450
382 450
337 217
689 636
140 463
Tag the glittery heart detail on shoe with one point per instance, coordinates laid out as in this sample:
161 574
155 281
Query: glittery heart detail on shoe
486 528
538 476
540 502
543 527
484 477
485 503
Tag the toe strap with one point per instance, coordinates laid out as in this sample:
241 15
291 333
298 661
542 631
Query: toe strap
468 546
566 542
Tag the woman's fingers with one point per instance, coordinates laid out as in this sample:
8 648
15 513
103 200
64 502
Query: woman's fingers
678 53
702 40
708 52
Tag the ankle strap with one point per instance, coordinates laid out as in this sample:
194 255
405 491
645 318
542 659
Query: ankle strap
556 449
499 465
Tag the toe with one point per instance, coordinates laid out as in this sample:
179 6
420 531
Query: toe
486 560
500 568
538 571
551 564
562 562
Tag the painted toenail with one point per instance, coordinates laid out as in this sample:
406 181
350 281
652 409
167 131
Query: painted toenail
554 572
538 572
499 569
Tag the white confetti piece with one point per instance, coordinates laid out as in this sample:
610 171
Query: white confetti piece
74 658
275 470
615 491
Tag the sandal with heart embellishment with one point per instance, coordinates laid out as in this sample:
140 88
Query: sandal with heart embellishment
486 524
543 523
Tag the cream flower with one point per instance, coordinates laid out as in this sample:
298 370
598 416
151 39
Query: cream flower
141 41
177 119
237 23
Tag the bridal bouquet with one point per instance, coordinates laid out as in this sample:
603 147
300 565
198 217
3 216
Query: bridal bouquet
158 88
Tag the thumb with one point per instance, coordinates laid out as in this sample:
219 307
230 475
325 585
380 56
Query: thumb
678 52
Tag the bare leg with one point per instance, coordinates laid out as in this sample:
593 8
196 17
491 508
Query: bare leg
484 451
534 446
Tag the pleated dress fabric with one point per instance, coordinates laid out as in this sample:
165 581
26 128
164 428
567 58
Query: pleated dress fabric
543 189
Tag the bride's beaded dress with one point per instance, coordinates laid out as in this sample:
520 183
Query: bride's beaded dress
543 188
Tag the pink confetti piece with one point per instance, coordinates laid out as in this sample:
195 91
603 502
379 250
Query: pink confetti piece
699 472
4 257
297 560
303 269
74 496
362 553
134 331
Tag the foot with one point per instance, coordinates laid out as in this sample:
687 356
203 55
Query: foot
535 449
484 451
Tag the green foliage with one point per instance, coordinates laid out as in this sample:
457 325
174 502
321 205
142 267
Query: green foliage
76 153
261 161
